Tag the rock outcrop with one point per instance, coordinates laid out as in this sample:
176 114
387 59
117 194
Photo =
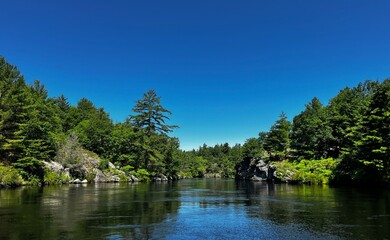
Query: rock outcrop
89 170
254 169
54 166
160 178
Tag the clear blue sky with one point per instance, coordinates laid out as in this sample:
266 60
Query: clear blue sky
226 69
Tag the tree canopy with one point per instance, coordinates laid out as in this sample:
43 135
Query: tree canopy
353 128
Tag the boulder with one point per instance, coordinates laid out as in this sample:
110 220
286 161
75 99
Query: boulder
133 178
111 165
67 172
160 178
54 166
77 181
115 179
100 177
84 181
255 169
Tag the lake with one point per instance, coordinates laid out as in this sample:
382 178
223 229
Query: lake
194 209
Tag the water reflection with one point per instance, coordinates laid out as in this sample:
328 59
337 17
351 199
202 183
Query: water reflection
86 212
350 213
194 209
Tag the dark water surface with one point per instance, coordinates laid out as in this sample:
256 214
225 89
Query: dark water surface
194 209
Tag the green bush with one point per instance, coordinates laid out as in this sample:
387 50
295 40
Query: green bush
90 176
10 177
55 177
306 171
103 164
127 169
142 174
31 169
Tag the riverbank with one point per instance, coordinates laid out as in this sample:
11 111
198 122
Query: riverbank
304 171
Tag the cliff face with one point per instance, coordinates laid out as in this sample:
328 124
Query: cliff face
254 169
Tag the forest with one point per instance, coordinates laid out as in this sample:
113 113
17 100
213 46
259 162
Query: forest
344 142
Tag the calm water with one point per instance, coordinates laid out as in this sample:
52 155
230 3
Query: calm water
194 209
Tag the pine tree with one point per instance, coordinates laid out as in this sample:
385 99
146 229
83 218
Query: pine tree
151 115
13 111
277 142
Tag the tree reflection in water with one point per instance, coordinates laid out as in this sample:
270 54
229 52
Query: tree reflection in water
86 211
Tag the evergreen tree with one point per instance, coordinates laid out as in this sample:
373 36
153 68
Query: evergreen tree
346 113
252 148
150 120
95 131
64 108
151 115
311 132
374 148
14 104
277 142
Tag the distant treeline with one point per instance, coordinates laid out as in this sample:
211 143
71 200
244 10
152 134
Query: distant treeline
353 128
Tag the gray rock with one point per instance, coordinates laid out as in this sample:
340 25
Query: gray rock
133 178
54 166
100 177
110 165
115 179
84 181
254 169
77 181
67 172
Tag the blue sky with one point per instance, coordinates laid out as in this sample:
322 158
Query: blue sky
226 69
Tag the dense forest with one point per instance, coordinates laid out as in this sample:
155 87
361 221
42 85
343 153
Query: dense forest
346 141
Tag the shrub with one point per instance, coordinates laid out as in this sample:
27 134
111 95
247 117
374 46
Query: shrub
69 153
306 171
103 164
55 177
142 175
31 169
127 169
90 176
10 176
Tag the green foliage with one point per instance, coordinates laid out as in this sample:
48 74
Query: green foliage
94 131
103 164
306 171
55 177
311 132
69 152
142 174
252 147
127 169
10 177
151 115
124 145
277 141
219 160
354 127
90 176
14 104
30 168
